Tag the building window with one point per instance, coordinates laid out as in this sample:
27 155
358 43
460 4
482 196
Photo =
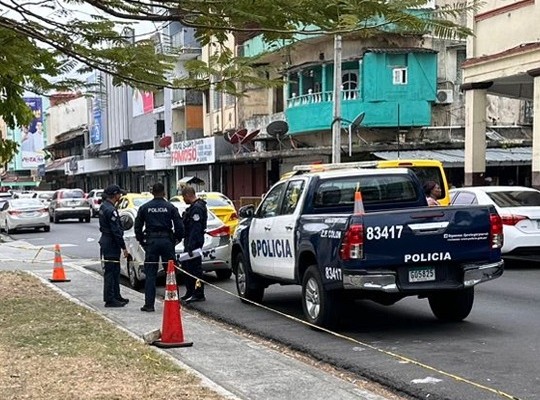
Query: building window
217 100
399 76
349 80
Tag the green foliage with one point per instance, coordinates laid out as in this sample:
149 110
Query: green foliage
47 44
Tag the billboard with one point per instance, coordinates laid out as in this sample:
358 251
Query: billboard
189 152
32 137
143 102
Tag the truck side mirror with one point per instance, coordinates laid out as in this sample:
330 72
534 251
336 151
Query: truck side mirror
247 211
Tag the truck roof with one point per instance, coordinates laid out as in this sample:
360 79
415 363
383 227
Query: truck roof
338 173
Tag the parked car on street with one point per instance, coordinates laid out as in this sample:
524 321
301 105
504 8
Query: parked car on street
220 205
45 197
95 197
216 248
133 200
24 214
519 208
69 204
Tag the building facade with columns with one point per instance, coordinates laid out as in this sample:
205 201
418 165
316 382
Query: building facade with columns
503 59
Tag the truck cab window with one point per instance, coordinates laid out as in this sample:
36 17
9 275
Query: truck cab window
271 203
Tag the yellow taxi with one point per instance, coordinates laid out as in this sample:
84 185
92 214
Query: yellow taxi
220 205
426 170
133 200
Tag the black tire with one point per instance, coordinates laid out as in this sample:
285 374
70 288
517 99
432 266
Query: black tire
47 228
223 274
320 306
55 218
452 306
8 230
134 280
87 219
247 285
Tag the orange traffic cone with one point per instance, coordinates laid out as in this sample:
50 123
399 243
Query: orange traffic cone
58 271
172 333
358 203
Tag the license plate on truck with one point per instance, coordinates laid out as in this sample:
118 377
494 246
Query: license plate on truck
425 274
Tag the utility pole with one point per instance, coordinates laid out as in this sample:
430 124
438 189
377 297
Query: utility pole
336 121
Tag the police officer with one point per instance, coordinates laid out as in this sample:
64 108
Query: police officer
195 218
158 217
111 244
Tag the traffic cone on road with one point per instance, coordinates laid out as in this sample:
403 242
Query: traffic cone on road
172 333
358 203
59 274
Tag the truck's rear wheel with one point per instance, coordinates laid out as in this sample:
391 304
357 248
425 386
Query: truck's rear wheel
246 283
452 306
320 306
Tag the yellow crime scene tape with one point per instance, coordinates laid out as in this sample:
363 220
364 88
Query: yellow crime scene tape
291 317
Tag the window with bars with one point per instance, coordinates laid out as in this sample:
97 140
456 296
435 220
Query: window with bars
399 76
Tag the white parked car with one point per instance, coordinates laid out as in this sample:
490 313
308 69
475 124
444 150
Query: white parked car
95 197
216 249
24 214
519 208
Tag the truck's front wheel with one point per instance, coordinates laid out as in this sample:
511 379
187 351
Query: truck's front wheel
452 306
246 283
320 306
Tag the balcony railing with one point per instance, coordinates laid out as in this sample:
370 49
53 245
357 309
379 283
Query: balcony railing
322 97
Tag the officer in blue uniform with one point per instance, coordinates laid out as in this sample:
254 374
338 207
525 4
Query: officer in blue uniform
158 217
111 244
195 218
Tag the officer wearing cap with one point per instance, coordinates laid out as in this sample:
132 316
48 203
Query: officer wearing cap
158 217
195 219
111 244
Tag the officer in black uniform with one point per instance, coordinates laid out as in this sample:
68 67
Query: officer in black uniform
195 218
111 244
158 239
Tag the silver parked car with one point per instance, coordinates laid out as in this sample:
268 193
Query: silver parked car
216 249
69 203
24 214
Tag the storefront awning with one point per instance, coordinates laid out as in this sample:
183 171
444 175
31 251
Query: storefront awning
57 165
454 158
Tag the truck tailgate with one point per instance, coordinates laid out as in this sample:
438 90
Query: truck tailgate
427 236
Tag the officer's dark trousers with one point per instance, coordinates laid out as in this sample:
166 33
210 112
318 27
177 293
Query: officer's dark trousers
194 267
111 276
156 247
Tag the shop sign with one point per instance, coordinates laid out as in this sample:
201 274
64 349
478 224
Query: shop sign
189 152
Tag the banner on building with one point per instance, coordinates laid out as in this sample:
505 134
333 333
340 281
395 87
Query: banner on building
143 102
189 152
96 129
32 136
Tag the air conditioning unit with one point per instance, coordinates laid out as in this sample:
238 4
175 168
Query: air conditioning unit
445 96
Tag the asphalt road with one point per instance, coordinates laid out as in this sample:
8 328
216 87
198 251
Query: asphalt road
492 355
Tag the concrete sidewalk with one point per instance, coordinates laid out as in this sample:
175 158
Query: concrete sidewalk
230 363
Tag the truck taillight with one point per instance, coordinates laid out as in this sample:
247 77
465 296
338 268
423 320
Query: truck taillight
352 246
496 231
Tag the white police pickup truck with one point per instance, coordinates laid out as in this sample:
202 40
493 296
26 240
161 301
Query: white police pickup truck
304 232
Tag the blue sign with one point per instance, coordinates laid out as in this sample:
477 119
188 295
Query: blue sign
96 133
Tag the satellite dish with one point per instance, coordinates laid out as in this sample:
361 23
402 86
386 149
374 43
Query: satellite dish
277 128
250 136
357 121
227 134
165 141
237 137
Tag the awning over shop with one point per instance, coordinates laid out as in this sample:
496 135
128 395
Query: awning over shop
58 165
454 158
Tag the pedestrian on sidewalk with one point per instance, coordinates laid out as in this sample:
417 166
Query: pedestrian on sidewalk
111 245
158 228
195 218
